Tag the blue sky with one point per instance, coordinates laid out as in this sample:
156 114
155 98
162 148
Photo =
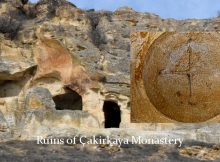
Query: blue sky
178 9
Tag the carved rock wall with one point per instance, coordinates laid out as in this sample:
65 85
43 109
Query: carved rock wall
99 40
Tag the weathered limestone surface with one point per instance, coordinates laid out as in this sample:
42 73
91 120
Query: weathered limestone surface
3 123
38 97
55 61
95 46
14 61
55 123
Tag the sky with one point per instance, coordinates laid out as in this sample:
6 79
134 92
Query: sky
178 9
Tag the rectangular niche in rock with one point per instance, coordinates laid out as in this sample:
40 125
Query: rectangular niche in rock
175 77
112 114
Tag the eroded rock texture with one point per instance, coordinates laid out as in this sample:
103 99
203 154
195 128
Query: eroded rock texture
53 49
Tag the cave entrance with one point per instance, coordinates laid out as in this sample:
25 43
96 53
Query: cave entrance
112 114
70 100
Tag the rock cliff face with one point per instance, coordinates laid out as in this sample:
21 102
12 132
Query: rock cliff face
52 50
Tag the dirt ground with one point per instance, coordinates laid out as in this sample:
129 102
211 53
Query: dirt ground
30 151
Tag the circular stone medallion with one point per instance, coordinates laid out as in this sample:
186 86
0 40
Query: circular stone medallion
181 75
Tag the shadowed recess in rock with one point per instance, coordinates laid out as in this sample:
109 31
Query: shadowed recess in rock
112 114
10 88
70 100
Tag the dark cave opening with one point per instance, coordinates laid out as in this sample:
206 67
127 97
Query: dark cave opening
112 114
70 100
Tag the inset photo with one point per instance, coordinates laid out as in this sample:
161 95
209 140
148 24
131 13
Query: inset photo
175 77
